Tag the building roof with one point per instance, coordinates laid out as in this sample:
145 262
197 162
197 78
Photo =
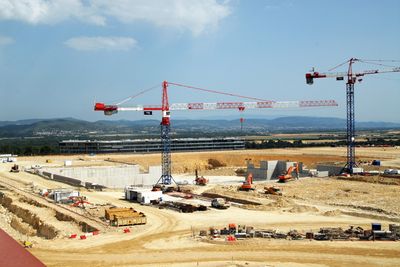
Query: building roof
13 254
151 140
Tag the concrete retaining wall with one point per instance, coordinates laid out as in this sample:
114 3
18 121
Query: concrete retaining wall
67 180
270 170
332 170
112 177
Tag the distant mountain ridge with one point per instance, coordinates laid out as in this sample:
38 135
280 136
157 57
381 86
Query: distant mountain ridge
72 126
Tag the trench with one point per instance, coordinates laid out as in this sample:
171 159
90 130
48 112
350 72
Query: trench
31 202
66 218
26 222
22 227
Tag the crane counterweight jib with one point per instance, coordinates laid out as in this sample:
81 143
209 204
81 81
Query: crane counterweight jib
340 75
99 106
107 109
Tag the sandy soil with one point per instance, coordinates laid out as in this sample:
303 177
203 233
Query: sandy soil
188 162
167 239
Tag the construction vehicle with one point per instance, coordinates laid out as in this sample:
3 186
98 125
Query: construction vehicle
247 184
220 203
166 108
14 168
288 175
27 244
232 228
272 190
200 180
79 201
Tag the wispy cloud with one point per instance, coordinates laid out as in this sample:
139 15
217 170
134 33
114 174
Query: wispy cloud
193 15
5 40
48 11
111 43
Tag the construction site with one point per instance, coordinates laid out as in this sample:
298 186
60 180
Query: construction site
111 191
213 207
208 208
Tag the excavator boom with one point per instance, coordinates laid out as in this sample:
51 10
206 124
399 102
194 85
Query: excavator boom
287 176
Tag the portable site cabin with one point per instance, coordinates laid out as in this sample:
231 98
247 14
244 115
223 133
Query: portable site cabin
141 195
60 195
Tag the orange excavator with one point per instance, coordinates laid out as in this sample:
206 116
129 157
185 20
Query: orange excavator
200 180
287 176
247 184
79 202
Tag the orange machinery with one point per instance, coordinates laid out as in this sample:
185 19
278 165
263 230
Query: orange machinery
287 176
247 184
200 180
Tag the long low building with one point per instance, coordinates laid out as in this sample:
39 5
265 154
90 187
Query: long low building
149 145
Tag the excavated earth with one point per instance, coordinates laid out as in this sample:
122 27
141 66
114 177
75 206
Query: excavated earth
171 238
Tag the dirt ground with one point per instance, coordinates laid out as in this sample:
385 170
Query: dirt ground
188 162
168 238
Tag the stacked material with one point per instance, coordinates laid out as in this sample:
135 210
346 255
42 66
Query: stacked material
124 216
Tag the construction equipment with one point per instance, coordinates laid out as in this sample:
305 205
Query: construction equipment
200 180
79 201
220 203
352 78
14 168
165 108
27 244
272 190
247 184
288 175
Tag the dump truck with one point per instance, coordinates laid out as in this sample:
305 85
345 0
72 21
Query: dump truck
220 203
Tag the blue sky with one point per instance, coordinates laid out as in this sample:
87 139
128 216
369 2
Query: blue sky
57 57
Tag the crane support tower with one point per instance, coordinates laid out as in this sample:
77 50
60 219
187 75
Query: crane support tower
352 78
166 177
165 108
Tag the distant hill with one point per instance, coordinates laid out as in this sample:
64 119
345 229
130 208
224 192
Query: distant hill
20 122
75 127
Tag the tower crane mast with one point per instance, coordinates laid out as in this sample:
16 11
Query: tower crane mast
165 108
352 78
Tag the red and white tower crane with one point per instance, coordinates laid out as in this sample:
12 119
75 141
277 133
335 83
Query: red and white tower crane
352 78
165 108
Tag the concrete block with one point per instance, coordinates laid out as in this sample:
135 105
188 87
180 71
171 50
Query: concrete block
322 174
268 169
333 170
264 165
